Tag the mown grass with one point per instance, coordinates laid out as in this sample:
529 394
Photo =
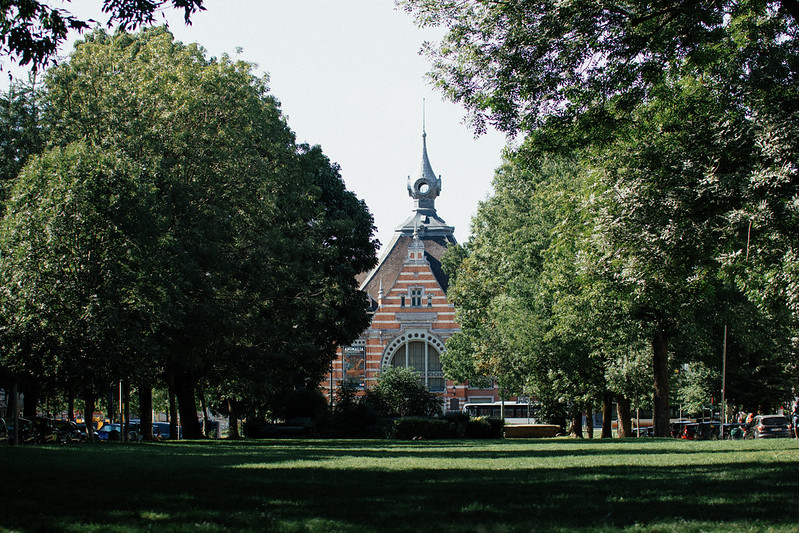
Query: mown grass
384 486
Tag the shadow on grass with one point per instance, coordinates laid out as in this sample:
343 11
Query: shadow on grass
312 485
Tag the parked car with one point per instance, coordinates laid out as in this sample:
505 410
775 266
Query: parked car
27 431
678 428
734 431
46 430
84 433
68 431
702 430
769 426
161 431
108 432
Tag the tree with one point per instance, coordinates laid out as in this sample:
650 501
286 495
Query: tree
31 31
515 64
399 392
514 289
252 283
20 130
679 187
76 241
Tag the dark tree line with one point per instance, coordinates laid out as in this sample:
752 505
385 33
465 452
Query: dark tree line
171 231
651 203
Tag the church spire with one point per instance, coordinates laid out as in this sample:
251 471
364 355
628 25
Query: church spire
424 189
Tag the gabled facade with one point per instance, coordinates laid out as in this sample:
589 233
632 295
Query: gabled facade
411 316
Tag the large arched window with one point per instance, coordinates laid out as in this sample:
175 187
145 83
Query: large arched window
422 353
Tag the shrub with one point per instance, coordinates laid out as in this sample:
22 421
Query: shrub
399 393
484 428
303 403
416 427
460 422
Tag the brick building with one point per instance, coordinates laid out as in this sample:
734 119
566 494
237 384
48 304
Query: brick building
411 316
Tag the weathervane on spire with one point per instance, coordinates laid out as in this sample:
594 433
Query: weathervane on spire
424 133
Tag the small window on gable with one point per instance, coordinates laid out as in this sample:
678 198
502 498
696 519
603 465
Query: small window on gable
402 301
429 300
416 296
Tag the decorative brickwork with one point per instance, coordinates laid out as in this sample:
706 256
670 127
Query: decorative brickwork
411 316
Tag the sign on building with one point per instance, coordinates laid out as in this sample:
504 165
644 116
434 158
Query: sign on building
354 365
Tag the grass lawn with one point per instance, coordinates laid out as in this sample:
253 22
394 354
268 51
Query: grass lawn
383 486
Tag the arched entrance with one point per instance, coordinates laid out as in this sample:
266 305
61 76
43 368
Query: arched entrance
422 352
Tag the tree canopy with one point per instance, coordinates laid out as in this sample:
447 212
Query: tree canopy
680 118
174 200
514 64
31 30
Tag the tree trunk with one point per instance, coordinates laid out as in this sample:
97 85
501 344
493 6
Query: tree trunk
88 416
233 421
30 403
624 415
577 423
109 397
204 407
173 412
11 400
589 420
12 412
71 407
187 405
146 412
607 416
660 362
126 409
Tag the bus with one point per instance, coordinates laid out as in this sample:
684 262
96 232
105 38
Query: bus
514 413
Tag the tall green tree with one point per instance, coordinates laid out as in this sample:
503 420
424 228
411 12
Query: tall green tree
257 240
689 108
20 130
513 293
76 242
515 64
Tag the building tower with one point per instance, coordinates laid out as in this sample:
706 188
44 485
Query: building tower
411 316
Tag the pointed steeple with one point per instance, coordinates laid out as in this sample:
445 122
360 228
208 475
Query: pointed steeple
424 189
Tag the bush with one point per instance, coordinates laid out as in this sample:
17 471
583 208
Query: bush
484 428
399 393
460 422
416 427
303 403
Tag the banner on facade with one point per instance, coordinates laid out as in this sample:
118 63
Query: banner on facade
354 364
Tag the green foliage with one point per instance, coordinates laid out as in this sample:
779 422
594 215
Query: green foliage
303 403
675 129
31 31
227 255
696 385
399 392
77 249
20 130
415 428
484 428
517 64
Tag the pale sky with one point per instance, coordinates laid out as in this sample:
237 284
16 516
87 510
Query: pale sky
350 78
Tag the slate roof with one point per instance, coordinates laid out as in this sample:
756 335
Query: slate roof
390 265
